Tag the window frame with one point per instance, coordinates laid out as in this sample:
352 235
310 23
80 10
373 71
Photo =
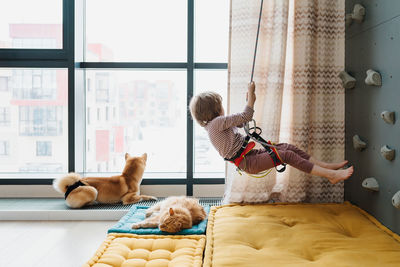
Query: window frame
71 56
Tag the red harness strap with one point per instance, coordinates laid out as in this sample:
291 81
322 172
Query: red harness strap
277 155
239 159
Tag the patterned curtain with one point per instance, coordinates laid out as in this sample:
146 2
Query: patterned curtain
300 99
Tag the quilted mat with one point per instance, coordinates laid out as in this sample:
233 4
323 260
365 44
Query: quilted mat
298 235
138 213
129 250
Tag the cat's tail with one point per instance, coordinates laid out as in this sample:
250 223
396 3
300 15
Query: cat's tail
61 184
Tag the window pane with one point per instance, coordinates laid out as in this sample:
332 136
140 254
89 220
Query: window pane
34 121
136 112
31 24
207 160
211 30
136 30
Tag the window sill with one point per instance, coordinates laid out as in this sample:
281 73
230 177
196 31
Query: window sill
55 209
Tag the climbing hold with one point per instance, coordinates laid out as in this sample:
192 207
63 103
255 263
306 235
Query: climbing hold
388 116
358 13
358 144
396 200
348 81
373 78
371 184
349 19
387 152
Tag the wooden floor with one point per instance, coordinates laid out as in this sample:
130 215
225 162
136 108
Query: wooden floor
50 243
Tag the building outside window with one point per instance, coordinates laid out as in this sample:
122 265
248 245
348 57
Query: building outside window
102 87
4 148
4 116
40 121
3 84
43 148
30 112
34 84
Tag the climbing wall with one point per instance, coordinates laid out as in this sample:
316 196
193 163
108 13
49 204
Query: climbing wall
374 44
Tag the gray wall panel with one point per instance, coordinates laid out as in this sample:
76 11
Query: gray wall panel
374 46
377 12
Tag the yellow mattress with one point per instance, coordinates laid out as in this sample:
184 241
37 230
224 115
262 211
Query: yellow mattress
298 235
129 250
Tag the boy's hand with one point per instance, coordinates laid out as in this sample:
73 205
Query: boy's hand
251 95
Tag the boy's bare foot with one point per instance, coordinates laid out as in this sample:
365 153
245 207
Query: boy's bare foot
341 175
336 166
330 166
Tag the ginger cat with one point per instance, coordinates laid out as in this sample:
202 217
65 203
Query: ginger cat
173 215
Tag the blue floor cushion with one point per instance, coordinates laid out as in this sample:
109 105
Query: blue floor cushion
138 213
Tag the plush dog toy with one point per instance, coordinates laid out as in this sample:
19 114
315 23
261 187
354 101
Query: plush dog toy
123 188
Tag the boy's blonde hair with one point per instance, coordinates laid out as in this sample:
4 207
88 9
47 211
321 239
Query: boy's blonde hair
205 107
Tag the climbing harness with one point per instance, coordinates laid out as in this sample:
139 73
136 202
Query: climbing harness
255 132
244 149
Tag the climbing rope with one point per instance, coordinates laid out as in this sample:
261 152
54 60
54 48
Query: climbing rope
247 127
255 132
255 49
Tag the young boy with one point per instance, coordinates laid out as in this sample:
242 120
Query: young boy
206 108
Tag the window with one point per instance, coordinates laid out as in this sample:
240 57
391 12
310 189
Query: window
136 31
89 84
211 30
43 148
135 65
35 49
4 148
4 116
107 113
88 116
150 97
102 87
37 79
40 121
3 84
31 113
98 114
31 24
35 83
207 161
153 126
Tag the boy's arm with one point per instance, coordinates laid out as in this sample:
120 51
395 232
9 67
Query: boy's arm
251 95
234 120
240 119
